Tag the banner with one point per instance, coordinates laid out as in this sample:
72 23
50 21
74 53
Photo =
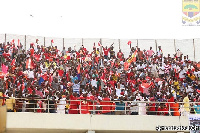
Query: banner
194 123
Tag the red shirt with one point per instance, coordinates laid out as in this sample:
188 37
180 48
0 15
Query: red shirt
6 55
105 108
162 109
152 107
112 82
32 51
73 105
60 72
106 51
84 105
91 103
171 100
20 73
119 55
129 75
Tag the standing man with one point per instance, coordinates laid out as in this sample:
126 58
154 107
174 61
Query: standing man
150 52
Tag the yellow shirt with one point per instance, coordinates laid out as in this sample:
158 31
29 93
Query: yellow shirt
192 77
97 52
9 103
186 104
176 84
54 64
114 78
46 64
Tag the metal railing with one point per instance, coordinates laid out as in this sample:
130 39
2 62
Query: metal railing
102 107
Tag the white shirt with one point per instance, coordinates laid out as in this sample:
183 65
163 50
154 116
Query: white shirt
189 89
134 108
161 70
140 67
94 83
181 74
30 74
61 106
197 74
142 108
118 91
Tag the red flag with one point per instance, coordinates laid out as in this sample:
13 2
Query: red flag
13 41
129 43
144 88
52 41
99 43
13 62
18 43
44 76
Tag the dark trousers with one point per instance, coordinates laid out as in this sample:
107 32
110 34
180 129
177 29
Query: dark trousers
134 113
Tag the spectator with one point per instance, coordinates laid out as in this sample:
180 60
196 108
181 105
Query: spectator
186 104
85 75
120 107
197 108
10 103
105 105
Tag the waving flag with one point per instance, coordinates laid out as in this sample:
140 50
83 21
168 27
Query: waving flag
13 41
129 43
18 43
13 62
99 43
52 41
4 68
132 58
144 88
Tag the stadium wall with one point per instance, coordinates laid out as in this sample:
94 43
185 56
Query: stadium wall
17 120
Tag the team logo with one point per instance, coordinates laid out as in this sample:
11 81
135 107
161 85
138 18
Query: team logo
191 12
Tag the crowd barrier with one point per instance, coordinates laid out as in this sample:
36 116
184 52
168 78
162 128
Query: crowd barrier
3 114
189 47
95 107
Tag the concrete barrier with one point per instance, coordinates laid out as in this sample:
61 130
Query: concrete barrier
3 119
91 122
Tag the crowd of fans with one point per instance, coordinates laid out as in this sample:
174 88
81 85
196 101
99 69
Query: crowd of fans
102 81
